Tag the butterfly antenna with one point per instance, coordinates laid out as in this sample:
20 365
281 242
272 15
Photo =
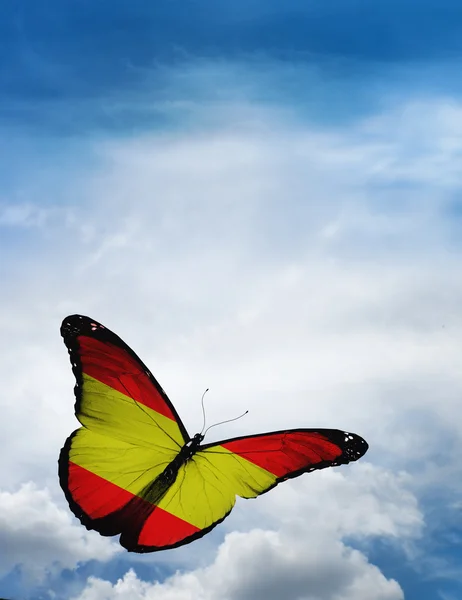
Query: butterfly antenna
228 421
203 409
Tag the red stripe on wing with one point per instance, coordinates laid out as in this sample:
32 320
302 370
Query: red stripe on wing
96 496
285 452
100 499
164 529
114 367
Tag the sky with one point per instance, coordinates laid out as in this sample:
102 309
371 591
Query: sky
263 199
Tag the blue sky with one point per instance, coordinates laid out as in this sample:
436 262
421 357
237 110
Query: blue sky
72 55
273 191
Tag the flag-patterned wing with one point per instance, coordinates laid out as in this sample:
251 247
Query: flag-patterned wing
207 485
130 432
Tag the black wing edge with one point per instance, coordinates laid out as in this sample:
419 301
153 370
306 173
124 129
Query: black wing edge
353 447
63 473
75 325
99 526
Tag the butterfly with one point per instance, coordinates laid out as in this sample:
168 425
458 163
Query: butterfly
132 469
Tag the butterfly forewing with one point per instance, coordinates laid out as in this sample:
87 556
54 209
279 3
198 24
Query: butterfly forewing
131 430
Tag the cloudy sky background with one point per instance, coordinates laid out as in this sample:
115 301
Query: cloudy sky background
264 199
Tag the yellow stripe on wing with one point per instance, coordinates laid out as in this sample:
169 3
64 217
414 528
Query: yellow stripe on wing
128 466
206 487
111 413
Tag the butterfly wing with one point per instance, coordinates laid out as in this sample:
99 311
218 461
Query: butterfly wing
130 432
207 485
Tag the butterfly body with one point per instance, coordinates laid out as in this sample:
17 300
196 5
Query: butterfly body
132 468
170 472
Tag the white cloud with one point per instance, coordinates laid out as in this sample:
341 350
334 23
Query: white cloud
296 548
303 556
263 565
341 498
38 536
